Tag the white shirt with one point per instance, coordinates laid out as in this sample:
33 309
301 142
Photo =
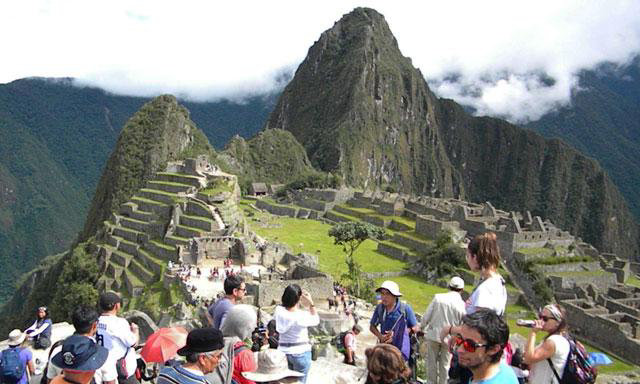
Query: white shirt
292 327
541 373
106 373
490 294
445 309
117 338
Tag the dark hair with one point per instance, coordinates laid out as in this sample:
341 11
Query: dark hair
271 326
232 282
485 248
46 311
291 295
386 361
491 327
83 317
108 301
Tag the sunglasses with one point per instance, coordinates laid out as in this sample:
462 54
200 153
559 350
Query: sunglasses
468 344
545 318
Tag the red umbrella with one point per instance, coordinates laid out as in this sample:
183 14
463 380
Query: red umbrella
163 344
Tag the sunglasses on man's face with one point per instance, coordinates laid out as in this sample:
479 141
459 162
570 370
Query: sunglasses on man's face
468 344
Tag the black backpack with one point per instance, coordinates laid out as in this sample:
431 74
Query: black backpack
11 366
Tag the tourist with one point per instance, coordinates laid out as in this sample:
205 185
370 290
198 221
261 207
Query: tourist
118 336
202 351
273 335
79 358
479 343
554 348
85 322
445 308
40 331
273 369
292 324
396 319
234 289
387 365
350 344
483 255
237 327
16 356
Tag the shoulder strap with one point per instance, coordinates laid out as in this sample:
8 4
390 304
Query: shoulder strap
239 348
380 312
553 369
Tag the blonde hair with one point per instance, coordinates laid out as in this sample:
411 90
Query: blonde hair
386 361
485 248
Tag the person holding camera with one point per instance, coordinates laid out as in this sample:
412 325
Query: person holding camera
292 323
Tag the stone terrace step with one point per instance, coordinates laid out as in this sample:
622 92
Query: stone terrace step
204 223
179 178
339 217
128 233
125 246
196 208
151 261
141 272
395 251
134 285
176 240
161 250
188 232
131 209
105 283
410 242
351 211
159 196
168 186
150 205
136 225
114 271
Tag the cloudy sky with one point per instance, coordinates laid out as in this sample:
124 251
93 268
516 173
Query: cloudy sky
513 59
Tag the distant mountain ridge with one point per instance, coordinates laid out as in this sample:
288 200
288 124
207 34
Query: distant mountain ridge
55 139
361 109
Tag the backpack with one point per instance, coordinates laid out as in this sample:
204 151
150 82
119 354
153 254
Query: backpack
578 369
11 366
338 341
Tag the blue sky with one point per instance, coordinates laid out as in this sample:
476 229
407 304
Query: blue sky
500 53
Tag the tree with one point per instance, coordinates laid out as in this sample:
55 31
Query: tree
76 285
350 235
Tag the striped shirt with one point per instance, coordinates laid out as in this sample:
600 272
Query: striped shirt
179 375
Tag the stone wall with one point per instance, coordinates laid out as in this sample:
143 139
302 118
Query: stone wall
568 267
603 281
270 292
431 227
279 210
602 331
378 221
393 252
316 205
408 242
335 218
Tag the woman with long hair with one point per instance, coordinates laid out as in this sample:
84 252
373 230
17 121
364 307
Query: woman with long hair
292 323
554 350
40 331
386 365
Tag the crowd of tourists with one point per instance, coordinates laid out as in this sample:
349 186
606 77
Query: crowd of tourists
467 341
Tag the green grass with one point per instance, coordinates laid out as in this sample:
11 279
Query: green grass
200 218
159 192
172 183
633 281
311 236
144 199
163 245
178 174
536 251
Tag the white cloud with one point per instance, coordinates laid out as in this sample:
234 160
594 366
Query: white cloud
502 54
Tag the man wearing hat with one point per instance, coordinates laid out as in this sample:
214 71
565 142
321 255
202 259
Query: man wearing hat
79 359
273 368
395 318
203 351
445 309
15 360
118 336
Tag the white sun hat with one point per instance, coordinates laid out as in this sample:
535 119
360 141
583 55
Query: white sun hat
456 283
272 365
16 337
390 286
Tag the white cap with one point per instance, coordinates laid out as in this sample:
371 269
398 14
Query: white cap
272 365
390 286
456 283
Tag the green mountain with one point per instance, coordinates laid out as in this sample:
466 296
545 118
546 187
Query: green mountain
362 110
603 121
56 139
159 132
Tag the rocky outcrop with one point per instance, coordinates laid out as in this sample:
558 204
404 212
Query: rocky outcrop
362 110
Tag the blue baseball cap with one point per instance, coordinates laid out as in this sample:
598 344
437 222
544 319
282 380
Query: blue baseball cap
80 353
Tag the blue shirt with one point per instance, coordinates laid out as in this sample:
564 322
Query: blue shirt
389 320
25 357
504 376
179 375
218 311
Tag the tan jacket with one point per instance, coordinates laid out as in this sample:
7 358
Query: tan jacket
445 309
